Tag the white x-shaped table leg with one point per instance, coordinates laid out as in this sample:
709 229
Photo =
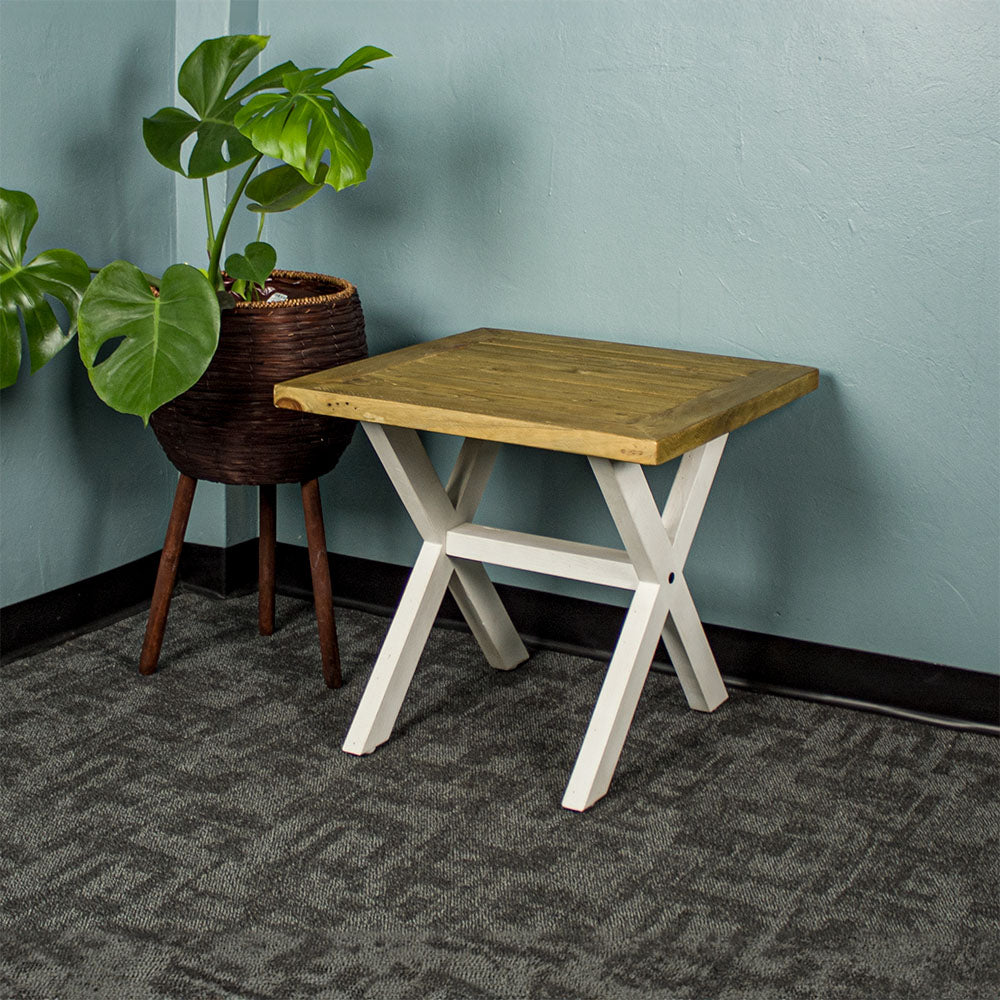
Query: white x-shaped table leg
657 546
452 555
433 510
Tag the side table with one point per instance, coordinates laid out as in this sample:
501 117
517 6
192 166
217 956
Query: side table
621 406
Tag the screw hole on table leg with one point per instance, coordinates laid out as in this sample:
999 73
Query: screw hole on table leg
670 579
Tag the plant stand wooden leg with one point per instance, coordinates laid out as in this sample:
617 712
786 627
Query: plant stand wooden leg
322 591
166 575
265 558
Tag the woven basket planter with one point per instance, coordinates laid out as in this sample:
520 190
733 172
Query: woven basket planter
226 427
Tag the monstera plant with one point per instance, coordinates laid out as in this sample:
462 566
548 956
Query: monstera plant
145 339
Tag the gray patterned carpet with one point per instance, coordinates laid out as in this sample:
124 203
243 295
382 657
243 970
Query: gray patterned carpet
200 834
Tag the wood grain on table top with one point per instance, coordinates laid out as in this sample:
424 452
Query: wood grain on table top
619 401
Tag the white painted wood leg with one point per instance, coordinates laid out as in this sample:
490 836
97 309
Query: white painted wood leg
473 590
408 466
689 492
616 704
683 634
486 616
454 549
657 546
433 510
691 656
404 642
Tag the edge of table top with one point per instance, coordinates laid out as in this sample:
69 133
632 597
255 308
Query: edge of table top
767 386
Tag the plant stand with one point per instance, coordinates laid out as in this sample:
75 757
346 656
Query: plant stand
166 575
226 429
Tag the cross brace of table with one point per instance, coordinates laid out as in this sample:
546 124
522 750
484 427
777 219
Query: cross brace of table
651 565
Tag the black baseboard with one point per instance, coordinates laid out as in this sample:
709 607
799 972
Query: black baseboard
772 664
222 572
58 615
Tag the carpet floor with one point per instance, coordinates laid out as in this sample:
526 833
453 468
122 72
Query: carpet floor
199 833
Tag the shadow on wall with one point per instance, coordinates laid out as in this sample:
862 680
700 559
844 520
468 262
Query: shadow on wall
406 209
784 527
117 462
120 465
387 330
131 195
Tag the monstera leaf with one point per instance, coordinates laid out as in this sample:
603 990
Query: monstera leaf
204 81
255 263
281 188
305 123
23 288
167 339
251 269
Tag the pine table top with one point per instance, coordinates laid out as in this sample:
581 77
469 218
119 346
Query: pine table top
589 397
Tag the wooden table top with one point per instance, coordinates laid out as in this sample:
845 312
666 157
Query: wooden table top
589 397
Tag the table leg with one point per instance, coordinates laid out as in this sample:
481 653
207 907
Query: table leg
397 660
434 509
471 587
616 704
657 546
487 618
683 635
691 656
651 565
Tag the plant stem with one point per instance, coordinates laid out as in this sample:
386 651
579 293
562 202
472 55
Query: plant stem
208 214
220 236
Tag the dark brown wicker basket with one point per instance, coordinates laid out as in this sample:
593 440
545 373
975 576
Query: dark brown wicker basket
226 427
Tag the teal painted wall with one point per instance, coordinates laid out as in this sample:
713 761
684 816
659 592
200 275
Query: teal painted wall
82 489
815 183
